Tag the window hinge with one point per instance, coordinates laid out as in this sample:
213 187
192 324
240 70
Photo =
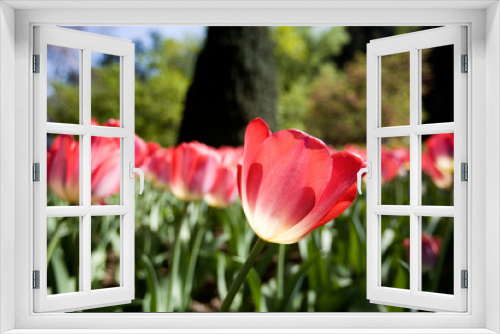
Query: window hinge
36 63
464 172
36 172
464 279
36 279
465 64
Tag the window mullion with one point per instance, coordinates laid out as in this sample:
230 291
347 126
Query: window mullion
85 166
414 159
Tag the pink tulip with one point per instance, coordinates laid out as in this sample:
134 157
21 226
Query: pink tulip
402 154
160 167
151 149
194 167
63 172
224 190
290 184
63 168
141 148
105 168
437 160
390 165
431 247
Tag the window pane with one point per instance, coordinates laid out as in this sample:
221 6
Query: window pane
437 84
63 84
395 170
63 255
105 87
395 247
105 256
105 170
395 89
437 254
437 169
63 170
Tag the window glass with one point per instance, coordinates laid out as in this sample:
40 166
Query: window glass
63 255
63 84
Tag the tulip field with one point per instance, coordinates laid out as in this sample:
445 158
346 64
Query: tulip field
250 139
193 235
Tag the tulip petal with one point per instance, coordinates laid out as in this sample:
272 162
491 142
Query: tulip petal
203 175
343 177
342 204
63 168
295 171
256 133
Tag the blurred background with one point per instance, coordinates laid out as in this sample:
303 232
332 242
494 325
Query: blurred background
205 84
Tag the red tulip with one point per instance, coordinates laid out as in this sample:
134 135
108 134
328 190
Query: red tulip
431 247
141 148
63 168
290 184
63 171
105 168
437 160
390 165
160 168
151 149
402 154
194 170
224 190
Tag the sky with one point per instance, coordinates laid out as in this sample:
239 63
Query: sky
59 68
143 33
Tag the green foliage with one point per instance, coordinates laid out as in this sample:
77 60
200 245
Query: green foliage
163 75
161 92
300 53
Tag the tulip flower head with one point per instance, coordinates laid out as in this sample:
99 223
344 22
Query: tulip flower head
437 160
290 184
63 172
194 167
160 168
224 190
431 247
105 168
63 159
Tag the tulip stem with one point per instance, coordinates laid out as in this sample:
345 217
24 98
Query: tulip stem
281 272
242 274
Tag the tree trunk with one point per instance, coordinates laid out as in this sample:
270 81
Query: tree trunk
234 82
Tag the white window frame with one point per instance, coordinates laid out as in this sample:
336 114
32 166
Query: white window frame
85 43
412 44
483 21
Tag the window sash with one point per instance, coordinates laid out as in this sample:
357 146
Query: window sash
85 297
414 298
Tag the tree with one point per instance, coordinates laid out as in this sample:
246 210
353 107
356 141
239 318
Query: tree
234 82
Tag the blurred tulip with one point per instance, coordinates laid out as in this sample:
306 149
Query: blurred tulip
151 149
390 165
159 167
290 184
63 171
361 152
224 190
141 151
105 168
402 154
437 160
141 148
63 168
194 167
431 247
